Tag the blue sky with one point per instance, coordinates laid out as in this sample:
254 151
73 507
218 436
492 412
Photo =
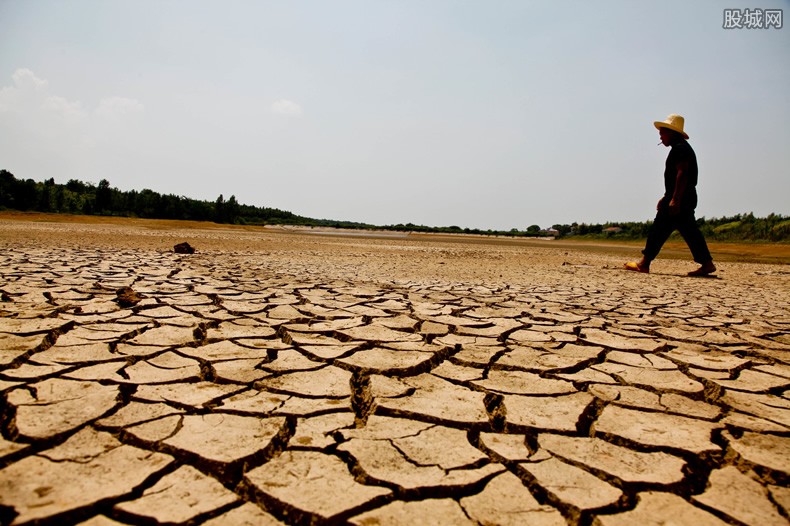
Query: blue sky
477 114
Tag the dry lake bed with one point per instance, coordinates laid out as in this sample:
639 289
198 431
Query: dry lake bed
280 376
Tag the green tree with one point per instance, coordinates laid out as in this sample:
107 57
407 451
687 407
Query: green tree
26 195
103 197
60 198
148 203
46 195
76 186
231 212
564 230
219 209
7 189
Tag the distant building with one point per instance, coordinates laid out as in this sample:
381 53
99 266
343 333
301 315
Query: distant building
612 230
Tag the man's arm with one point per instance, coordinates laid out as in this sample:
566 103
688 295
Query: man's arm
680 187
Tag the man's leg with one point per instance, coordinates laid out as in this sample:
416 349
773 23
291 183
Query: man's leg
687 226
660 230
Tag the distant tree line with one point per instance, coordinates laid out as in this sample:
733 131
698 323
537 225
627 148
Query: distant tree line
77 197
740 227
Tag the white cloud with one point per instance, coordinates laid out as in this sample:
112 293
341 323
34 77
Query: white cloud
28 95
114 107
24 79
286 107
26 87
62 106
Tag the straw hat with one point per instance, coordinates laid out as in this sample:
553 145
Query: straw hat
674 122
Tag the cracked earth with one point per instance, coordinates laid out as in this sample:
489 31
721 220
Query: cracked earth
284 378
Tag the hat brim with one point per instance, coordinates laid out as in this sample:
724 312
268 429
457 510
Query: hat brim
662 124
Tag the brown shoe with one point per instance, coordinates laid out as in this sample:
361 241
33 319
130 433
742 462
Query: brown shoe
705 269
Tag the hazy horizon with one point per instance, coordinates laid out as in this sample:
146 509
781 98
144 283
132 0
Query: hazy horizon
227 197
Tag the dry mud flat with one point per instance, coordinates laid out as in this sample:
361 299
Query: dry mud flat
277 378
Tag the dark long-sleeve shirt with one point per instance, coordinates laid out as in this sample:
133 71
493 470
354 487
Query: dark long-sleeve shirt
681 153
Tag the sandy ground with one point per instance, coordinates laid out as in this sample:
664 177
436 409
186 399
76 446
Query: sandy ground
288 376
386 255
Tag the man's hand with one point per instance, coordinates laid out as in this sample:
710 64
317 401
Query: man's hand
674 207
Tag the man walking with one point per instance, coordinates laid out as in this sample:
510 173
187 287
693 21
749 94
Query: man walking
675 210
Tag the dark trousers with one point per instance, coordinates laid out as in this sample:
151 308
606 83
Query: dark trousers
685 223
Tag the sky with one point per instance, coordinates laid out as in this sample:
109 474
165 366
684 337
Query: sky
479 114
